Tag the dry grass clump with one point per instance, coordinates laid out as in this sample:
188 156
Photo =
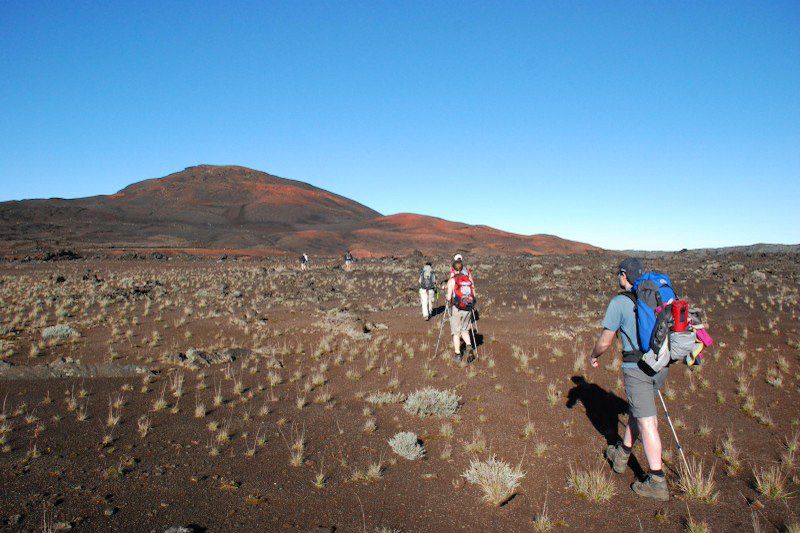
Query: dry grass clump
496 478
373 472
143 425
770 482
406 444
730 454
593 484
381 398
696 483
542 521
695 526
59 331
432 402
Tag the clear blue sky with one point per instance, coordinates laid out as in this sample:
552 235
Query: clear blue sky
561 117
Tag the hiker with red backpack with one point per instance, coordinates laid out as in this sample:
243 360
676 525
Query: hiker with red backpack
628 315
453 271
461 301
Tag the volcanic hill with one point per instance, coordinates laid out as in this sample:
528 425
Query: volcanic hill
210 207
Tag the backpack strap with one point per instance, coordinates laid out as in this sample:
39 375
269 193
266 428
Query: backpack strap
634 353
631 296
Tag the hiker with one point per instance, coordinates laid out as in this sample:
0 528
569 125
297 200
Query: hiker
348 261
641 385
303 262
461 297
427 290
458 257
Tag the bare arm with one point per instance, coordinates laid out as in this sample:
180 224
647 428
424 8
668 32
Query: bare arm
601 346
451 286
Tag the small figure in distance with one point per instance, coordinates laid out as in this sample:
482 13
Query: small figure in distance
348 261
427 290
304 262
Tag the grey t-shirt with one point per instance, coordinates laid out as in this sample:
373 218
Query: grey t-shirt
621 317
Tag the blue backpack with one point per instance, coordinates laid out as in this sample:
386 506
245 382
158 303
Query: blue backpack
652 291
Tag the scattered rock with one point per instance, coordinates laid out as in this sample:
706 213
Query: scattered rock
757 276
194 359
61 255
132 293
69 369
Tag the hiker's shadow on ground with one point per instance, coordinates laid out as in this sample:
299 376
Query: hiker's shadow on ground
437 311
603 409
478 339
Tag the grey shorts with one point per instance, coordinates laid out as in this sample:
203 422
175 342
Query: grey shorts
641 390
459 321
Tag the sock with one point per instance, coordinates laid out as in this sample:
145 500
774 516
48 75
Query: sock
657 473
625 448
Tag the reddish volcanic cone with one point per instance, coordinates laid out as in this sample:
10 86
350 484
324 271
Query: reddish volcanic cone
235 208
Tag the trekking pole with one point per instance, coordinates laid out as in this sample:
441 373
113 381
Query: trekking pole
675 435
474 320
441 327
474 329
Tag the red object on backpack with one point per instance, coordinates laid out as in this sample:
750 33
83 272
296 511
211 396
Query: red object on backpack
463 295
680 314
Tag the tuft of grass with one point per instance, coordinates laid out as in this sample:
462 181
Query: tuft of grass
432 402
60 331
370 425
593 484
381 398
143 425
553 394
542 521
477 444
730 455
159 404
789 455
406 444
297 449
696 483
446 430
694 526
771 482
497 479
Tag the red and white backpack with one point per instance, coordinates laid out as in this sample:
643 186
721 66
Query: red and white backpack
464 293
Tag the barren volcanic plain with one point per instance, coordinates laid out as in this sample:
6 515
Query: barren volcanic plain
165 363
143 394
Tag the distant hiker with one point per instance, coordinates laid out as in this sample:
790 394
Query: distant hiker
348 261
427 290
461 299
303 262
641 385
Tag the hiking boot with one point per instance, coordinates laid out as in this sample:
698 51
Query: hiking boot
618 457
457 357
471 357
653 487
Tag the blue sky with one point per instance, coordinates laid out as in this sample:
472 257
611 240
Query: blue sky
577 119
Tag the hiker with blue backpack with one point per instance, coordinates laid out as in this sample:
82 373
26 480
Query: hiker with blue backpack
633 316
